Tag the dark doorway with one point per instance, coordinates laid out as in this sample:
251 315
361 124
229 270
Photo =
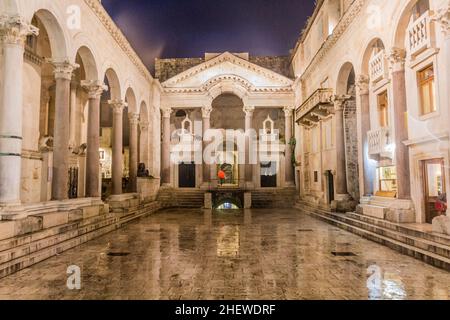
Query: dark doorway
73 183
330 186
186 175
269 175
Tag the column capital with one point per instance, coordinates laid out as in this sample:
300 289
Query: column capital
288 111
63 69
397 59
94 88
166 112
249 110
133 118
117 106
442 17
206 112
362 84
339 101
14 30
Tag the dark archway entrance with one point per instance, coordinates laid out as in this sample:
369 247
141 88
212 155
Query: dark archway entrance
186 175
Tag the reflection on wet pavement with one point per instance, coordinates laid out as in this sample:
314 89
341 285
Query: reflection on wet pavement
256 254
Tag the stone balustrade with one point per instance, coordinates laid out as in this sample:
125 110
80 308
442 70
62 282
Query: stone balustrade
421 34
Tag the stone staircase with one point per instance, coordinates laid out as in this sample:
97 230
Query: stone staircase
27 241
271 198
428 247
181 198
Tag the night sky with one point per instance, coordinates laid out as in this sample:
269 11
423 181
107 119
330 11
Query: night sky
189 28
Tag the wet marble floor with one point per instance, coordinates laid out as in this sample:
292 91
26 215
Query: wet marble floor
259 254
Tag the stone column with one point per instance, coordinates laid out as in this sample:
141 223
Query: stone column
288 113
95 90
134 122
13 32
206 118
117 146
144 126
364 110
341 168
397 66
248 168
165 174
63 74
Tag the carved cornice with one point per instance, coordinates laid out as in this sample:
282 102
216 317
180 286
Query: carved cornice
228 57
339 30
14 30
94 88
119 37
339 101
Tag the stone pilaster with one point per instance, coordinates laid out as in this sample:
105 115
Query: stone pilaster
362 85
134 122
13 33
165 174
117 146
63 70
289 166
397 65
94 90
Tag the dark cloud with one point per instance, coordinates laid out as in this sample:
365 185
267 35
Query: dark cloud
189 28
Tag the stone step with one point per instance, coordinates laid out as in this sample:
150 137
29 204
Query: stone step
431 252
18 253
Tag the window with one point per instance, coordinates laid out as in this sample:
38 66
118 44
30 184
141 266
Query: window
316 176
427 90
383 109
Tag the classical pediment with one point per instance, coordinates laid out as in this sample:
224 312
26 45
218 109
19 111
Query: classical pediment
228 67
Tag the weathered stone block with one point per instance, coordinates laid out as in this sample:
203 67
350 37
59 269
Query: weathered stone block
400 216
6 229
90 212
247 200
28 225
441 225
208 200
53 219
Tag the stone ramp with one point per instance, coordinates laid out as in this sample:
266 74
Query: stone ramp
431 248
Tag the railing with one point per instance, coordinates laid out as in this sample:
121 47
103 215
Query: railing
420 35
32 57
378 141
378 66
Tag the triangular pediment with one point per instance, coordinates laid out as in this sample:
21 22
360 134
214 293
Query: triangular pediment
229 67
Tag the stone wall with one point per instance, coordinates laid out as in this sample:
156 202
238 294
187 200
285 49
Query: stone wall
168 68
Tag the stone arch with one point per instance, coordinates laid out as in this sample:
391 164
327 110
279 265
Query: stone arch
228 86
368 52
130 98
402 22
112 81
56 35
347 71
227 112
89 65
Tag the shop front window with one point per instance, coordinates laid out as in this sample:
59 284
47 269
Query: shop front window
388 182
